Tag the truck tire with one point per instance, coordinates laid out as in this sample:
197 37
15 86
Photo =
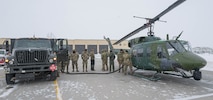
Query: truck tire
53 75
8 79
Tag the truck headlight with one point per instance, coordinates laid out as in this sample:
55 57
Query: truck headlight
51 60
11 62
6 60
54 58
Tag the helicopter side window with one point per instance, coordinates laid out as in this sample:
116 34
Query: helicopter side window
148 50
172 49
175 47
160 52
140 52
186 45
134 51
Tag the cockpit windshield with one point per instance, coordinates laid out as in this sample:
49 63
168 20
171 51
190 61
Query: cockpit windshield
175 47
186 45
32 43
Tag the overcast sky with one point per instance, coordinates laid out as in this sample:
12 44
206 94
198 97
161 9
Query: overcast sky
93 19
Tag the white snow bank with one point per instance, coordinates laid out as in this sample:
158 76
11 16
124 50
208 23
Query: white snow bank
209 59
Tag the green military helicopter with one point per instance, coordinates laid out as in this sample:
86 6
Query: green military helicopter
153 53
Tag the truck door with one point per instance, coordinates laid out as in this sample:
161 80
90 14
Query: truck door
62 49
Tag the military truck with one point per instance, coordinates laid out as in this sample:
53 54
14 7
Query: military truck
30 58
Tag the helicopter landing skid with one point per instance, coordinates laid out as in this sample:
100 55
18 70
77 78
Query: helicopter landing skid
154 77
182 74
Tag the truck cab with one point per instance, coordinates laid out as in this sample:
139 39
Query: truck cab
30 58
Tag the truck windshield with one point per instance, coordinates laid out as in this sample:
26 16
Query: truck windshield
2 52
175 47
32 43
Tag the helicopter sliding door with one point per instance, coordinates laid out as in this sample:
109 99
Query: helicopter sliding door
138 57
159 57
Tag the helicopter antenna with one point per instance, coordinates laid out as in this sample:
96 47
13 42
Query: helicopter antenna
167 36
151 21
179 36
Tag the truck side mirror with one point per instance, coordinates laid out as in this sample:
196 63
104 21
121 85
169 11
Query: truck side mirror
7 45
61 45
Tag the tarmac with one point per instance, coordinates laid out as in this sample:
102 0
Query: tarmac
99 85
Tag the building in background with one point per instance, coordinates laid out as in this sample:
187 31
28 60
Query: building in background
80 44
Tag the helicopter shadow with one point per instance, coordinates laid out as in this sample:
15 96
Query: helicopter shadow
169 79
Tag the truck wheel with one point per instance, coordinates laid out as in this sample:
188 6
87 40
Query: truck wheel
53 76
8 79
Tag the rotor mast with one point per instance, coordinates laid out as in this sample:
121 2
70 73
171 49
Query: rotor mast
151 26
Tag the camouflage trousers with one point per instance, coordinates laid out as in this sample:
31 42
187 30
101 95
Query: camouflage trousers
104 66
75 66
121 67
111 66
62 65
126 65
85 65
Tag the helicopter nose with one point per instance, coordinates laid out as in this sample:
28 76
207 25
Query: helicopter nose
191 61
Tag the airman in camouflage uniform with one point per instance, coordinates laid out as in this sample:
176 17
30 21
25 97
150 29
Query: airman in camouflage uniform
111 61
61 66
104 58
127 62
85 57
120 60
74 58
92 60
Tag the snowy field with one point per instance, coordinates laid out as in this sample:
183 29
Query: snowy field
209 59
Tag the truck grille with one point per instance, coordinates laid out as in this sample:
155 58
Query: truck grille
32 56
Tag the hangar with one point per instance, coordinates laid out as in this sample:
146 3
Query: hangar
80 44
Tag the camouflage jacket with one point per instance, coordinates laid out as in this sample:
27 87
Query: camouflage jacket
120 57
104 56
74 57
92 55
127 59
85 56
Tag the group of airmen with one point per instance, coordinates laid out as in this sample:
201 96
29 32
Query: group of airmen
123 58
85 56
124 61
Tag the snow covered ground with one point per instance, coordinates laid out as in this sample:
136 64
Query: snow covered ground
114 86
209 59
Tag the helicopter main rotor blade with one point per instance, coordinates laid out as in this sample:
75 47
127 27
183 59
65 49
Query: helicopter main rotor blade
132 33
178 2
